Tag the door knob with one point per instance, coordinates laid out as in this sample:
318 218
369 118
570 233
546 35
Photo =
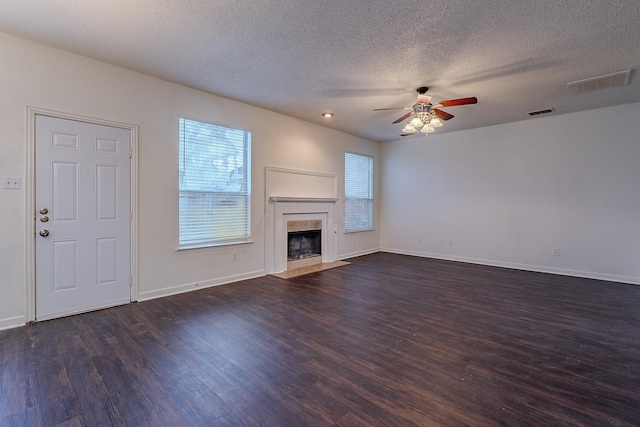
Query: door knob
44 218
44 233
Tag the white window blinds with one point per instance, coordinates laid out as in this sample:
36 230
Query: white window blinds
215 184
358 188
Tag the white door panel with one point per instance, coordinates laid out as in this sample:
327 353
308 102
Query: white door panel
64 191
64 265
83 182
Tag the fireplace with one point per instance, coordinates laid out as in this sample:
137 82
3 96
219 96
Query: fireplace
298 214
304 243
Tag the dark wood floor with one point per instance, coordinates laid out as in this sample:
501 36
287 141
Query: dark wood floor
389 340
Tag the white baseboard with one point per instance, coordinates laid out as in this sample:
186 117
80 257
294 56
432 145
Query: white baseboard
13 322
359 253
187 287
516 266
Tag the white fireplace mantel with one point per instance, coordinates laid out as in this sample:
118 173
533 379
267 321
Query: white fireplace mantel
298 195
284 209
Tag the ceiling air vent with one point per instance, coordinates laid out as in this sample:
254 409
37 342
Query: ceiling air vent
537 113
607 81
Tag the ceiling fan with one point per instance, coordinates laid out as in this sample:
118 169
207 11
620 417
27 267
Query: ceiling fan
427 116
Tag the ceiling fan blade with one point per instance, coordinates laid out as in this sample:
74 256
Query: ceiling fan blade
407 134
403 117
442 115
395 108
456 102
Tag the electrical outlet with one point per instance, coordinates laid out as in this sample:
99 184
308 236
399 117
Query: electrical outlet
450 242
234 256
11 182
555 252
419 239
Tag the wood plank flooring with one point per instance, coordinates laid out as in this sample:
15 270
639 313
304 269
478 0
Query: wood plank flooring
389 340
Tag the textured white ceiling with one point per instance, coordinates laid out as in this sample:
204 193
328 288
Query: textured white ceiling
303 57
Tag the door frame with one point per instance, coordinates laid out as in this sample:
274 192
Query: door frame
30 185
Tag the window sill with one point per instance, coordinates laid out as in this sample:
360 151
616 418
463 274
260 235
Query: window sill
358 231
210 246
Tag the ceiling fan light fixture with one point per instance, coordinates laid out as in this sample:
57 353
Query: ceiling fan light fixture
416 122
409 129
435 122
426 117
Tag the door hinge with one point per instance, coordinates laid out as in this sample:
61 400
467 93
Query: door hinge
130 152
130 216
130 281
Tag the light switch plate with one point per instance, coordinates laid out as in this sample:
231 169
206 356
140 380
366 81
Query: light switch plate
11 182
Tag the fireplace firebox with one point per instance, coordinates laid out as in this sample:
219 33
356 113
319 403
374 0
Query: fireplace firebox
304 244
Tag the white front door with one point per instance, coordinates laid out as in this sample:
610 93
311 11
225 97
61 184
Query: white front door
82 196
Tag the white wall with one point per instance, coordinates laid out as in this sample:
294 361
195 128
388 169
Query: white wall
508 195
34 75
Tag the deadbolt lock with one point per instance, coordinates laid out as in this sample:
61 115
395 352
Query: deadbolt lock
44 219
44 233
44 211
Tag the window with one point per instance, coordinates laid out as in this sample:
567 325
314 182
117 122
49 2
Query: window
215 185
358 191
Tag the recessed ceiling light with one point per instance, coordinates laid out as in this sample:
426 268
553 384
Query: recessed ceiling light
327 114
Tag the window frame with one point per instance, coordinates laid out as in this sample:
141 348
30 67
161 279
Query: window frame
246 193
370 199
